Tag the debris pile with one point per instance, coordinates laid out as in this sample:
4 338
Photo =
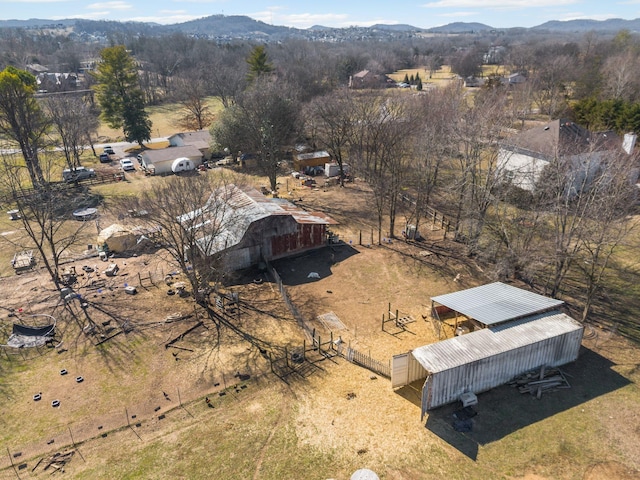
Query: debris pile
536 382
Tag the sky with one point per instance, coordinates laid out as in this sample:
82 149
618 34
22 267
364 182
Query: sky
330 13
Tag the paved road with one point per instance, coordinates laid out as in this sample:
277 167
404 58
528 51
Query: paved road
119 147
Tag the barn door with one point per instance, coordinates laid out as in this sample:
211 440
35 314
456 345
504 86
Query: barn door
400 370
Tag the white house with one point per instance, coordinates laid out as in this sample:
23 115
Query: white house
523 158
201 139
160 161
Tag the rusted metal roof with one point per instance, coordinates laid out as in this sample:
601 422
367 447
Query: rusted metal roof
497 303
235 208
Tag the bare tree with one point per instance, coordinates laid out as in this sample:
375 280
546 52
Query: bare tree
192 222
195 113
46 216
265 120
620 75
433 144
331 125
73 122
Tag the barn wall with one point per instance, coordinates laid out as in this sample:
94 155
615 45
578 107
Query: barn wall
302 237
273 238
485 374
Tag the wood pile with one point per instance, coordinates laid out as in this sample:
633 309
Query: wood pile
539 381
57 461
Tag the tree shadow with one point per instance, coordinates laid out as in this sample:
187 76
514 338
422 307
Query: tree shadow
503 410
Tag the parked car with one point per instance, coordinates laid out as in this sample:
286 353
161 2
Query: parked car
105 158
108 150
126 164
77 174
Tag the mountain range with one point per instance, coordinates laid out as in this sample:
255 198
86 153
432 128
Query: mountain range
239 26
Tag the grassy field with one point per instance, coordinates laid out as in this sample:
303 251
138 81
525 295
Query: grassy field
325 421
163 118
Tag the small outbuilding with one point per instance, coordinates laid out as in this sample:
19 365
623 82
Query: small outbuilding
516 331
301 161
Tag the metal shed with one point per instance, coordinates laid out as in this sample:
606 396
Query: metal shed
495 303
488 358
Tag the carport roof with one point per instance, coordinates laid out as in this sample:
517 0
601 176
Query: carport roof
496 303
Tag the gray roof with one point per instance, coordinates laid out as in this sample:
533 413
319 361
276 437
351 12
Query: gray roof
171 153
496 303
488 342
562 137
233 209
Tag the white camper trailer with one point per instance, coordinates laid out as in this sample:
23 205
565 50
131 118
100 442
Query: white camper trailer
182 164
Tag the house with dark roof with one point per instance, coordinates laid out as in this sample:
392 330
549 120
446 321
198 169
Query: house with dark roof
250 227
368 79
523 158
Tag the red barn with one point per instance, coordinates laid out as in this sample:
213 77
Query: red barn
256 227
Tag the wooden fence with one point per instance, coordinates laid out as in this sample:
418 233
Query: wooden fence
346 352
437 218
27 193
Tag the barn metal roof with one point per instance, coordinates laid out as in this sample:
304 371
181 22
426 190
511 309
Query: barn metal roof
496 303
488 342
234 209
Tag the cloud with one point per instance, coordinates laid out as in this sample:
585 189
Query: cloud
497 3
458 14
115 5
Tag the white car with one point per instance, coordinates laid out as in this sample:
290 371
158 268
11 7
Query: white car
126 164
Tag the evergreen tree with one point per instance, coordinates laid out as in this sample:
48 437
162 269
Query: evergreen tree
411 80
419 85
258 63
120 96
406 78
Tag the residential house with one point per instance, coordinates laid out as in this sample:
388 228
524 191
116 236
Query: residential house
253 228
201 139
523 158
368 79
159 162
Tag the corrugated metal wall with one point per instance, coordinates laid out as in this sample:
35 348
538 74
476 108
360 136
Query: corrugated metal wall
405 369
447 386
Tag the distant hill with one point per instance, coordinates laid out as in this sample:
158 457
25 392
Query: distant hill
243 27
36 23
395 27
232 25
611 25
461 27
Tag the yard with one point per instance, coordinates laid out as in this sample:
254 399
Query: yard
142 410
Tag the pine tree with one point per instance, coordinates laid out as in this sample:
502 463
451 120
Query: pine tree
406 78
258 63
120 96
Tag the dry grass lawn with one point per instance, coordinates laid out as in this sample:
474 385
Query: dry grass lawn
327 419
